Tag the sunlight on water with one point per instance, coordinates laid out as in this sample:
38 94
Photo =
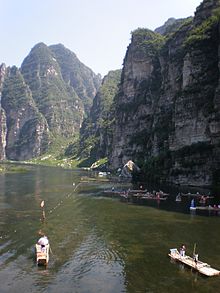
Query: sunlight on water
98 243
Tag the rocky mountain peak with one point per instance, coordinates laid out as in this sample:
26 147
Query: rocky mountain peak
84 81
171 25
45 99
2 70
206 9
2 74
162 29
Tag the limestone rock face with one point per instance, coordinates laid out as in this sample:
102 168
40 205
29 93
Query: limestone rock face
205 10
128 169
168 104
84 81
43 102
3 131
56 101
27 132
171 25
96 131
3 126
135 106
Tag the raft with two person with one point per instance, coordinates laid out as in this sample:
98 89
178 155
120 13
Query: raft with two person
193 262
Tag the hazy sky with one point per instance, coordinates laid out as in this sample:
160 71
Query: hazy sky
98 31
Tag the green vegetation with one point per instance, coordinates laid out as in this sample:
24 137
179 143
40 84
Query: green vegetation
12 168
96 131
56 100
160 167
155 168
51 160
89 162
45 101
23 117
173 25
202 32
183 76
55 155
77 75
17 93
147 41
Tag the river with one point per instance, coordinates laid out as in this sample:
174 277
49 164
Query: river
98 243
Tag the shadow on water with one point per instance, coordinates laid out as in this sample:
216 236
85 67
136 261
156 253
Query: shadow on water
171 205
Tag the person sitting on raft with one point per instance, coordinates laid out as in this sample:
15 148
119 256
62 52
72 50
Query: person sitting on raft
43 241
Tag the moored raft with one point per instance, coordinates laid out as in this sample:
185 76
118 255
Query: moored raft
208 208
154 197
137 190
199 266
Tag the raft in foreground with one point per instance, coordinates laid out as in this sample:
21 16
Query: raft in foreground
200 266
42 254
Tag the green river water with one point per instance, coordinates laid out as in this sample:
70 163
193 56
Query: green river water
99 244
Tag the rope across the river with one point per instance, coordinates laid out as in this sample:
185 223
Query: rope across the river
59 203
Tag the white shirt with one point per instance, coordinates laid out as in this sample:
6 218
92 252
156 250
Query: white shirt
43 241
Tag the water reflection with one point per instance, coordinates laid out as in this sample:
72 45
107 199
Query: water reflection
98 244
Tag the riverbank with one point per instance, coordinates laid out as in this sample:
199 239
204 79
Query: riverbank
9 167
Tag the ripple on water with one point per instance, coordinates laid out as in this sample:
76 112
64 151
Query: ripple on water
4 245
6 256
93 265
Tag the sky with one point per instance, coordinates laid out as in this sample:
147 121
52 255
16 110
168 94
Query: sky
97 31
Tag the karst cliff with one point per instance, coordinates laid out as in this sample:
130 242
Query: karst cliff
162 111
167 116
44 101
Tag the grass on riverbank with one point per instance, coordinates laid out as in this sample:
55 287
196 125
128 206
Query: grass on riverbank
12 168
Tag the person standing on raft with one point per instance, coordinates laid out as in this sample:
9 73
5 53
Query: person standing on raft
182 250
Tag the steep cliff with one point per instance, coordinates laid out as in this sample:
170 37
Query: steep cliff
27 131
43 104
57 101
95 139
171 25
138 97
84 81
167 108
3 126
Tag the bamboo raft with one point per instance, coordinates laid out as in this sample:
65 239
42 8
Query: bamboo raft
189 194
208 208
153 197
42 254
137 190
113 192
201 267
150 196
122 192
